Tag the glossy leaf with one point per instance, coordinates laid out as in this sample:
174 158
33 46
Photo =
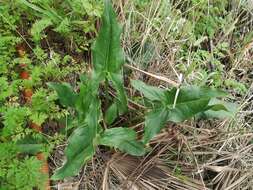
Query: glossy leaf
121 99
107 52
190 101
93 116
111 114
154 122
124 139
80 147
150 92
79 150
88 90
65 93
83 100
108 55
134 148
195 92
187 109
229 112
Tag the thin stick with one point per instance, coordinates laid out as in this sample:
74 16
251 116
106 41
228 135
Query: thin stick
105 178
178 89
164 79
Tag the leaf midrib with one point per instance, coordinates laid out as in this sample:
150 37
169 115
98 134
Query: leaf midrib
191 101
108 49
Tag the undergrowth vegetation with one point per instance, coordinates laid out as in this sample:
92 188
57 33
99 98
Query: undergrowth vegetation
165 96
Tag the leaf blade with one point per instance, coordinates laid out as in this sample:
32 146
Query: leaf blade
79 150
124 139
191 100
111 114
229 112
107 52
150 92
154 122
66 94
121 99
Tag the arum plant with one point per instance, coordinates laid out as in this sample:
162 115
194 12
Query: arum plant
108 60
89 132
170 106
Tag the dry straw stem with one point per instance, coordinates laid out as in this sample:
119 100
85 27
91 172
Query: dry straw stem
161 78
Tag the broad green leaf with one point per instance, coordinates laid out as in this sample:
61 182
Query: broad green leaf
65 93
134 148
121 98
124 139
150 92
191 100
216 107
79 150
93 116
88 90
81 147
84 100
111 114
229 112
114 136
194 92
187 109
108 55
107 52
154 122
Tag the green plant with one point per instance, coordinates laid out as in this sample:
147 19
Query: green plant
208 16
18 171
208 50
107 62
176 104
63 17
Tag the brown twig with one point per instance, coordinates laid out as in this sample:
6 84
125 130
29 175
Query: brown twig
158 77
